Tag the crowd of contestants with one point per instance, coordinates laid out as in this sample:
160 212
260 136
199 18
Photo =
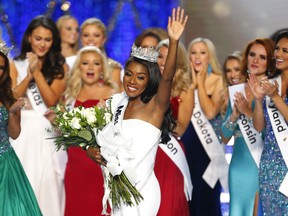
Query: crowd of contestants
65 62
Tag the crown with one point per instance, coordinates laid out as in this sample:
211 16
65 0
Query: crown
3 48
149 54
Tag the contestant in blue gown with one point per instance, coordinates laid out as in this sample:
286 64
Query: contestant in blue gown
243 172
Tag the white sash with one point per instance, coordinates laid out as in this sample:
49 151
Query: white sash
251 136
174 151
218 166
33 93
280 130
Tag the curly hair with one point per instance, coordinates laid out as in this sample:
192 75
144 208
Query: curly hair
6 94
169 122
52 67
74 82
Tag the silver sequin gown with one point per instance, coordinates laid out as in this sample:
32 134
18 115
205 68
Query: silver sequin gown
271 174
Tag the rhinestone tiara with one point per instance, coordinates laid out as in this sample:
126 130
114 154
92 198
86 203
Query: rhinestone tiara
3 48
149 54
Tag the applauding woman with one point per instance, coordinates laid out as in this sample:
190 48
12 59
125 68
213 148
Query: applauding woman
38 75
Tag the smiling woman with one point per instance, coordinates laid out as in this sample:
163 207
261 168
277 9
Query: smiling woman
38 76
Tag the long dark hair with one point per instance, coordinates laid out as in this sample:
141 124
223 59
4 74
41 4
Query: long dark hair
169 122
282 34
6 95
53 61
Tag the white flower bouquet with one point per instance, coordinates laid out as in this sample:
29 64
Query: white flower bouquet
79 127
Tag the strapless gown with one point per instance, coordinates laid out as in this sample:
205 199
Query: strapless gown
83 180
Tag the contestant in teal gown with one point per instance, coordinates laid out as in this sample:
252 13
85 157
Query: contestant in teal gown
17 196
243 172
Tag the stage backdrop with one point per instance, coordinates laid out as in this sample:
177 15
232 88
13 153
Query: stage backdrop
125 19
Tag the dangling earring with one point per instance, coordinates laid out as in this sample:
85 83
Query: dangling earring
248 72
209 69
101 80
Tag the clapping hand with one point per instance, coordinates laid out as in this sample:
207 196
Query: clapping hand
34 63
255 87
176 23
269 89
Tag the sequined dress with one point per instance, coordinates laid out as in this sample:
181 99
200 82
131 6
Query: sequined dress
16 195
271 173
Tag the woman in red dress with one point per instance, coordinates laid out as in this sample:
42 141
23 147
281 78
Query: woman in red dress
88 85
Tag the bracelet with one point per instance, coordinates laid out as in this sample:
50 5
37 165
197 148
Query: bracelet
85 147
229 124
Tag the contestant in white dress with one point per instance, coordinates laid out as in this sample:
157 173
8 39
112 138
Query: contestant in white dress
38 76
141 119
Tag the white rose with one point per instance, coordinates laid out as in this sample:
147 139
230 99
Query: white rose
107 117
89 114
75 110
75 123
65 116
91 118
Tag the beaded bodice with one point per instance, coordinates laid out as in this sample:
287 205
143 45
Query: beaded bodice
4 137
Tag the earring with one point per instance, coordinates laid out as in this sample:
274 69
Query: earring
248 72
101 79
209 69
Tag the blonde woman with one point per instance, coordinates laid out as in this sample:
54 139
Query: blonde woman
69 33
207 80
94 33
83 178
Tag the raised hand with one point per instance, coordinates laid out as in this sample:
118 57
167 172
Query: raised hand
202 74
255 87
176 23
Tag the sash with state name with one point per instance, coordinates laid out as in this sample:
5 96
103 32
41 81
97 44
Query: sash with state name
218 166
280 129
33 93
251 136
175 152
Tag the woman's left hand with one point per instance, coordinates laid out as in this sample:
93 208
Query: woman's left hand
95 154
176 23
270 89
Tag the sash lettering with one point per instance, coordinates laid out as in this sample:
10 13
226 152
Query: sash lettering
252 138
35 94
279 127
218 166
174 151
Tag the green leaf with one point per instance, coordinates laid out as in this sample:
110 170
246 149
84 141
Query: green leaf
85 134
